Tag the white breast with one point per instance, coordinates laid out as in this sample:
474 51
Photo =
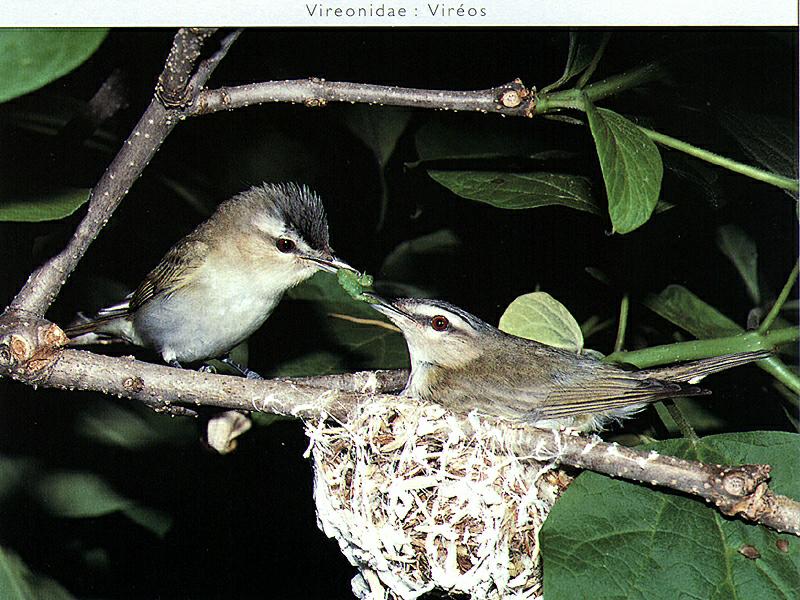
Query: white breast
222 307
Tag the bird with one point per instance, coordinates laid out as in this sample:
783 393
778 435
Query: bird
217 285
465 364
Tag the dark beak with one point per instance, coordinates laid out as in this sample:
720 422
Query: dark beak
387 307
331 264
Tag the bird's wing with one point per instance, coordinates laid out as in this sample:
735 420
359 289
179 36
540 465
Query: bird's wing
171 273
550 383
609 392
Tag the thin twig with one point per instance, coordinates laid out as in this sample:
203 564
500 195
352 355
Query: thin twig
361 321
780 300
510 99
622 324
681 421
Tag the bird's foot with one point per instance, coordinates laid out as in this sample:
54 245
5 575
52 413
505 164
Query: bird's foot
243 371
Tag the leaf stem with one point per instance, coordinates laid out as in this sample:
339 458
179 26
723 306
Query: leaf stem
778 369
573 98
622 324
584 78
696 349
780 181
681 421
779 302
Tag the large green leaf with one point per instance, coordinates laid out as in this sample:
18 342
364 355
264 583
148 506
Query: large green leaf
538 316
519 190
631 167
46 207
18 583
339 343
681 307
742 252
32 58
612 539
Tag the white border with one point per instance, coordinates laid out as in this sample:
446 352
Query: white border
417 13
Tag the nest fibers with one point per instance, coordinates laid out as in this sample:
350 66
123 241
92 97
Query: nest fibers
418 503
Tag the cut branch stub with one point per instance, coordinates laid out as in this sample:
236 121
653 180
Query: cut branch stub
173 89
514 98
28 346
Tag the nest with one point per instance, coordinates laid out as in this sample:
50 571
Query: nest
418 502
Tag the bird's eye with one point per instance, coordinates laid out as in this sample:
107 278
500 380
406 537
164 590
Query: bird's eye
439 323
285 245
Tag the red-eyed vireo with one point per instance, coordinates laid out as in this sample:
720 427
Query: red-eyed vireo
217 285
464 364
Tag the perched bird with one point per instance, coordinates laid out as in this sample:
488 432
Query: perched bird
464 364
217 285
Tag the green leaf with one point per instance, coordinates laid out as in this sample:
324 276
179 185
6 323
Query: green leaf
32 58
538 316
769 140
583 45
741 250
706 179
681 307
631 166
130 427
14 474
401 268
18 583
153 520
612 539
519 190
379 130
48 207
338 343
79 494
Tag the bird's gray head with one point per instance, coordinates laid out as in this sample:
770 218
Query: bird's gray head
291 228
437 332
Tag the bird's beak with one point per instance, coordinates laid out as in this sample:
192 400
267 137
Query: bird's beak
331 264
388 308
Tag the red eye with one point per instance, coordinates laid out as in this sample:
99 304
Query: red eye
439 323
285 245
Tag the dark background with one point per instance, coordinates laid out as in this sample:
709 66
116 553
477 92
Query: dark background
244 524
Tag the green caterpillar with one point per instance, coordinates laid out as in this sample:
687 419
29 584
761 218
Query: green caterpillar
355 283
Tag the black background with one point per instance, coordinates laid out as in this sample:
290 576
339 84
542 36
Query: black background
244 524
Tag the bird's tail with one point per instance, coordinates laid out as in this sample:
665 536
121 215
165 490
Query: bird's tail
84 325
97 329
694 371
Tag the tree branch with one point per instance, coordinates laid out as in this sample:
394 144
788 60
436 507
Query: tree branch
173 87
512 99
156 123
734 490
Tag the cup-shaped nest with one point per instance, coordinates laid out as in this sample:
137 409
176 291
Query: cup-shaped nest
420 500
